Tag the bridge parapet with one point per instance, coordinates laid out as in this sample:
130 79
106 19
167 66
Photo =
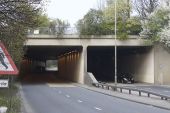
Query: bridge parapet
73 36
73 39
68 32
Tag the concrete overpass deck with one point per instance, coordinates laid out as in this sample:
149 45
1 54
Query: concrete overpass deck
76 40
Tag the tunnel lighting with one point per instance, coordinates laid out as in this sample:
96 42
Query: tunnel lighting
68 53
75 51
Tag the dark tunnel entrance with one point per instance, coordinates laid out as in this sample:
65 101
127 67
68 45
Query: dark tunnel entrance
135 60
45 63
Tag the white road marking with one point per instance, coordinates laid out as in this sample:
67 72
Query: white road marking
68 96
97 108
79 101
53 85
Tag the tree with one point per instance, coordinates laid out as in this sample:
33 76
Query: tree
145 7
123 8
123 16
58 27
91 23
101 22
133 26
16 16
158 22
43 20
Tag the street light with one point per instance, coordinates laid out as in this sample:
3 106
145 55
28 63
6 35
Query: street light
115 45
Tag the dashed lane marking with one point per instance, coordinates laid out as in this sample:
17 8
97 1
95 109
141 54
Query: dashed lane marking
97 108
68 96
80 101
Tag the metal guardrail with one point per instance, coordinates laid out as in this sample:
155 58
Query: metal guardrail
140 91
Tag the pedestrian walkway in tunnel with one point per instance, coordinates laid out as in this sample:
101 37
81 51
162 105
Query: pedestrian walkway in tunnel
42 78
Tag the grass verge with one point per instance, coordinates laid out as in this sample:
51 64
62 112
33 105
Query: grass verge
9 97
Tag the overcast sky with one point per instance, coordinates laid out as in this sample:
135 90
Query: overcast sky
69 10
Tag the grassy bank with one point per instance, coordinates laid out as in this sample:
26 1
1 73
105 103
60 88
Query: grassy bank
9 97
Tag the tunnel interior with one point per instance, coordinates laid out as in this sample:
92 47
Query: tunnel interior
135 60
46 63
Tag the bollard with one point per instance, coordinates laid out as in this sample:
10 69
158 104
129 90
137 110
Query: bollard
103 86
148 94
114 89
121 90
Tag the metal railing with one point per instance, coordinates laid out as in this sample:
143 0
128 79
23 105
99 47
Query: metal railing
68 32
121 89
53 31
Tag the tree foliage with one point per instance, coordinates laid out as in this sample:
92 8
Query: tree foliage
145 7
102 22
157 22
50 26
16 16
58 26
91 24
43 20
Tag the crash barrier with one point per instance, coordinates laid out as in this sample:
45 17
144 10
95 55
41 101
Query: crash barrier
121 89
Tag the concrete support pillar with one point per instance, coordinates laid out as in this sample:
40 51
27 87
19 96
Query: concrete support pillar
82 65
145 67
162 64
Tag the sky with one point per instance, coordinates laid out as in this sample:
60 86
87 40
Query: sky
69 10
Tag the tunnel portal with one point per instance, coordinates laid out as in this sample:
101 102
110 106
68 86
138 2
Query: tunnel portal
135 60
50 63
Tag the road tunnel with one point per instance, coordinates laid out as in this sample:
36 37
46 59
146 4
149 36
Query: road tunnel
135 60
50 63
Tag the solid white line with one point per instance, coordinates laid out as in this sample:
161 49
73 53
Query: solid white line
97 108
68 96
79 101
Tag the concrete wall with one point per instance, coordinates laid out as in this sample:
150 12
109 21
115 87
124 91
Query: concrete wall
81 42
162 64
145 67
70 67
140 65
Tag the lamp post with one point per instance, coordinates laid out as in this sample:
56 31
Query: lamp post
115 44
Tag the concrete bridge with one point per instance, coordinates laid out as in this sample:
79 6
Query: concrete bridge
77 55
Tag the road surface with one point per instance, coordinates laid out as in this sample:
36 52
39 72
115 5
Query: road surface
41 98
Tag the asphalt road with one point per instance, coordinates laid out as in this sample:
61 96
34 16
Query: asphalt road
45 99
